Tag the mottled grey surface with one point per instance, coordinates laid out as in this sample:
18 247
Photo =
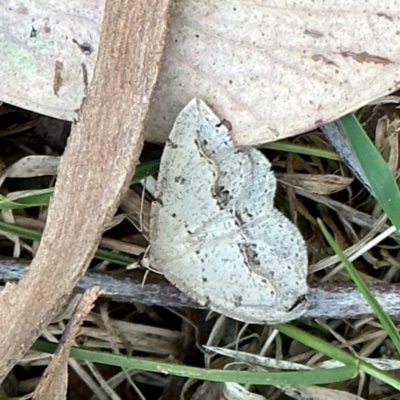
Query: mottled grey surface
214 231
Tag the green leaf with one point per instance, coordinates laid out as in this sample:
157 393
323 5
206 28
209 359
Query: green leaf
38 199
143 170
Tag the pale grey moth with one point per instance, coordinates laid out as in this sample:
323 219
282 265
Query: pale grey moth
214 231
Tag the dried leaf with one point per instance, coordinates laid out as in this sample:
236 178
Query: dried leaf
233 391
276 69
317 184
386 141
272 69
318 393
48 52
31 166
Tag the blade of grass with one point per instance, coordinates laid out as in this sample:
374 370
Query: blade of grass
145 169
379 374
381 181
383 317
25 233
337 354
318 344
42 199
301 149
34 200
295 378
101 254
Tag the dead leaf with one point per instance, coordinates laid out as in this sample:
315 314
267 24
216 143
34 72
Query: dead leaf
386 141
31 166
318 393
276 70
271 70
234 391
316 183
48 53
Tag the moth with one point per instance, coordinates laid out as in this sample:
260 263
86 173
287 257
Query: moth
214 230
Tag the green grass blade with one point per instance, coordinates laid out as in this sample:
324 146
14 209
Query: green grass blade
377 373
329 350
42 199
296 378
115 258
25 233
317 344
35 200
101 254
145 169
380 179
301 149
383 317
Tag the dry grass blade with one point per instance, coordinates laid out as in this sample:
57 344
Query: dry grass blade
53 385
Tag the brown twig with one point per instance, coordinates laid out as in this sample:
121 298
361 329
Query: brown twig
95 169
327 301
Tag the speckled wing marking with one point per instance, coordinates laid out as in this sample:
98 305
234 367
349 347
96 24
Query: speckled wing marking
214 231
